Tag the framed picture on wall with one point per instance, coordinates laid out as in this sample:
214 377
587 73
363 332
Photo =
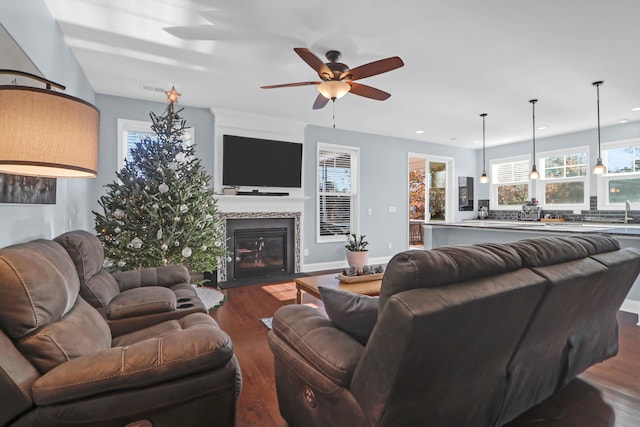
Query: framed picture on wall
27 189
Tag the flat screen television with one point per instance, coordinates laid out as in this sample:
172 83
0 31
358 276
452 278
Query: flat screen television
261 162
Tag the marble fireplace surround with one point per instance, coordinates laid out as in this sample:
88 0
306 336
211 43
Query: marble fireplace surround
222 272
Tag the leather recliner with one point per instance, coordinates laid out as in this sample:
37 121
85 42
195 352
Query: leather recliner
129 300
60 365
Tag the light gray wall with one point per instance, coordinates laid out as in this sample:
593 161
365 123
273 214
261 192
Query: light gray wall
383 183
35 31
588 137
113 108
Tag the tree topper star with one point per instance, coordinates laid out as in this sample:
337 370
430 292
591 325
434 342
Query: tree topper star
172 95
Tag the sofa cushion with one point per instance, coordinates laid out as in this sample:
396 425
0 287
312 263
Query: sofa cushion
352 313
446 265
81 331
141 301
98 287
39 286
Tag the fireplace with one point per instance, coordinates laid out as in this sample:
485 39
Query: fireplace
259 251
260 247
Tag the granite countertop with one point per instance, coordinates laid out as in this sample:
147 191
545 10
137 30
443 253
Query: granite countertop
617 229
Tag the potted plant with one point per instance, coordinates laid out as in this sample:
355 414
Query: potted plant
357 254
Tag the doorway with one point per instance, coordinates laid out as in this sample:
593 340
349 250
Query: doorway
429 185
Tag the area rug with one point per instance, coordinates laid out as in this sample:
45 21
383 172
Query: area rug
211 297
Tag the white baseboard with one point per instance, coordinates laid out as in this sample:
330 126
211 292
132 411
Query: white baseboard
631 306
334 265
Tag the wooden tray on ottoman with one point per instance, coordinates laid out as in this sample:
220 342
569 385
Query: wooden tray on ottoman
361 278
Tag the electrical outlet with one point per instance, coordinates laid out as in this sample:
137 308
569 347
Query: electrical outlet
389 245
370 211
392 209
306 252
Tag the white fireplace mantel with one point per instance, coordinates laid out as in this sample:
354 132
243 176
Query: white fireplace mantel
260 203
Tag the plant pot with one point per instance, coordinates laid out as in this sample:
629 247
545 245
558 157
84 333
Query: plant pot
358 259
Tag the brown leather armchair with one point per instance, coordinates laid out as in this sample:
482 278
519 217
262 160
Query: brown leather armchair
129 300
59 364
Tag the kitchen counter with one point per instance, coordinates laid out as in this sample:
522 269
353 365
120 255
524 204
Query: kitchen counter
615 229
438 234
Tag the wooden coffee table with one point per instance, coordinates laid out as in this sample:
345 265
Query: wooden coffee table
310 285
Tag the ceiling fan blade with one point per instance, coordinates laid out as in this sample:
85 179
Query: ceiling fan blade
314 62
368 91
320 102
290 85
373 68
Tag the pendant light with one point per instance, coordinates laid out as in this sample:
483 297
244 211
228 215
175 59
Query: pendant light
483 178
599 167
534 172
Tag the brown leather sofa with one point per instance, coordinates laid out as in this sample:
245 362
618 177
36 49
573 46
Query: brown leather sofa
61 366
465 335
129 300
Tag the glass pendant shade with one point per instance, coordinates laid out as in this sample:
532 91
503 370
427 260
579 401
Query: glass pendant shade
484 179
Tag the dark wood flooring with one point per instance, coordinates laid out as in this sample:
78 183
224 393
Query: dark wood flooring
607 394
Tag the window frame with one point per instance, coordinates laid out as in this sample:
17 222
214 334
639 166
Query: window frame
603 180
125 126
354 213
539 185
493 186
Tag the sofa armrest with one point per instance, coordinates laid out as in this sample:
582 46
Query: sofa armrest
166 275
312 335
141 302
198 346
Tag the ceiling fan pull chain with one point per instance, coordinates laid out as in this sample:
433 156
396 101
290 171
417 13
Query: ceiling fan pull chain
334 113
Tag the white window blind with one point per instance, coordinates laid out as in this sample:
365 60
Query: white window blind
509 183
512 172
134 137
336 192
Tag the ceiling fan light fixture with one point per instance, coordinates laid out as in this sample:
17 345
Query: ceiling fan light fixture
333 89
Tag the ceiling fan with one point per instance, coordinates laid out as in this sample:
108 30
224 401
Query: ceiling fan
338 79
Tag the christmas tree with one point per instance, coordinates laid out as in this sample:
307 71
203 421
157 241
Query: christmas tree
160 210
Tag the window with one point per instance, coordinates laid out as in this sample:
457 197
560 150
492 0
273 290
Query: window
563 180
131 132
622 180
337 202
509 183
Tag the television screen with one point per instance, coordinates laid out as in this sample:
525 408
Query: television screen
261 162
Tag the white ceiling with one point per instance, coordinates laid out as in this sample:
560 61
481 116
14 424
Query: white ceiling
462 58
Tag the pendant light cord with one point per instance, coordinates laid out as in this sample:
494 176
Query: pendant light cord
483 156
597 85
533 109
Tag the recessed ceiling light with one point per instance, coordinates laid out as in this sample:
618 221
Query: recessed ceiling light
635 109
419 131
477 141
623 120
542 128
453 139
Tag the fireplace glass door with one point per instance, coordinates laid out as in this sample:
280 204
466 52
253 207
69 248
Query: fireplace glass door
259 252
